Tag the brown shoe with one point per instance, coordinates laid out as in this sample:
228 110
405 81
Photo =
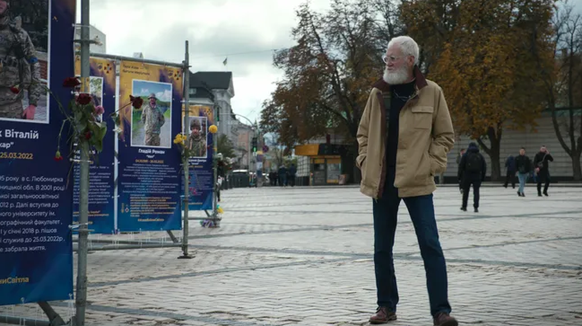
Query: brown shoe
443 319
382 316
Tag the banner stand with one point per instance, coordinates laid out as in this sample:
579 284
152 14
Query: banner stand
211 215
54 319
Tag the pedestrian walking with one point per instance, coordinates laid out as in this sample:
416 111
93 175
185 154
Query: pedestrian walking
292 174
542 167
459 157
510 169
523 166
472 171
283 176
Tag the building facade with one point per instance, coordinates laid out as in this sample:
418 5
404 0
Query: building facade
216 88
322 160
96 35
513 140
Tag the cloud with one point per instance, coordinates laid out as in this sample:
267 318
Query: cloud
244 31
165 96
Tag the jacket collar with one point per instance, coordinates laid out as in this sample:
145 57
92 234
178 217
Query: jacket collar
418 77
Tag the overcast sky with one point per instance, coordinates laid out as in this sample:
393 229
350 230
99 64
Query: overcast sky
215 28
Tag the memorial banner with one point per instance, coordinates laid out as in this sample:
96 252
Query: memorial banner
201 188
101 179
149 164
35 192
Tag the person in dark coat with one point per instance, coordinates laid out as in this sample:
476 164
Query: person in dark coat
523 166
283 176
542 167
459 157
472 169
292 174
511 170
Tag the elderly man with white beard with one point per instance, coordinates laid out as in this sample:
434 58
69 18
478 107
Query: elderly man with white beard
404 136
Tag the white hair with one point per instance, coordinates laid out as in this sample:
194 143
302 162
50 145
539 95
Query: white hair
407 45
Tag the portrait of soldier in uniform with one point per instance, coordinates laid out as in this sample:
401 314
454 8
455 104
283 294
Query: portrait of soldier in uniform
22 94
153 119
197 137
151 124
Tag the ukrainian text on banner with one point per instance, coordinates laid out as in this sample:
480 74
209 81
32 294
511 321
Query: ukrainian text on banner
101 201
200 142
35 195
149 165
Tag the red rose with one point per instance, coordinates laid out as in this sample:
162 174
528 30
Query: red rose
15 90
71 82
84 99
136 102
58 156
88 135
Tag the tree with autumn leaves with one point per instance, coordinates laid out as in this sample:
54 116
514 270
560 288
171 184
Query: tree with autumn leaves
489 56
328 73
483 61
563 83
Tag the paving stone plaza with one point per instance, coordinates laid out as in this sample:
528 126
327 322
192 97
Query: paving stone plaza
303 256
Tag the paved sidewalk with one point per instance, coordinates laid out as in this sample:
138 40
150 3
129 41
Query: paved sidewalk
303 256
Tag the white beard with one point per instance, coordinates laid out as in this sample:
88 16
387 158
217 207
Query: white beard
397 77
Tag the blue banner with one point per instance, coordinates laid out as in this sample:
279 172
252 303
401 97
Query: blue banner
35 192
201 188
101 178
149 165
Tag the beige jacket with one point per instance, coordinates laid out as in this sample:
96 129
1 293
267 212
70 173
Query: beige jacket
425 136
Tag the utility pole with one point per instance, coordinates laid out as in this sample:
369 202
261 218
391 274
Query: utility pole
81 298
186 201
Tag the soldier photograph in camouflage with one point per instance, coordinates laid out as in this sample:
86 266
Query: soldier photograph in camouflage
197 139
153 120
22 93
151 124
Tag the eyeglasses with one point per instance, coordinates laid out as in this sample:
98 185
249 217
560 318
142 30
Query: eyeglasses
391 58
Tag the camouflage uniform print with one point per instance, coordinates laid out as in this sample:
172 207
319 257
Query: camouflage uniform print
153 120
152 139
19 67
197 146
11 110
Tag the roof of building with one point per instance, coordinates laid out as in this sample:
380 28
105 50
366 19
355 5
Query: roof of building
211 79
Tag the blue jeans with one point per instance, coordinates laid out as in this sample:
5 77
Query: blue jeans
421 212
522 179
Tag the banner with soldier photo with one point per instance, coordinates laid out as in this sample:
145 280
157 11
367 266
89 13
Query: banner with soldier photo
101 173
35 191
149 163
200 143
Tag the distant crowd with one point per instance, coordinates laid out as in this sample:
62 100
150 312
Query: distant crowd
283 176
472 170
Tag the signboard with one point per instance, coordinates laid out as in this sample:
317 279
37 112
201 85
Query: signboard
35 191
101 196
200 141
149 164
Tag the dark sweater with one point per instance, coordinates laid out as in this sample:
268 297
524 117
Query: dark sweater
398 98
544 160
522 164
